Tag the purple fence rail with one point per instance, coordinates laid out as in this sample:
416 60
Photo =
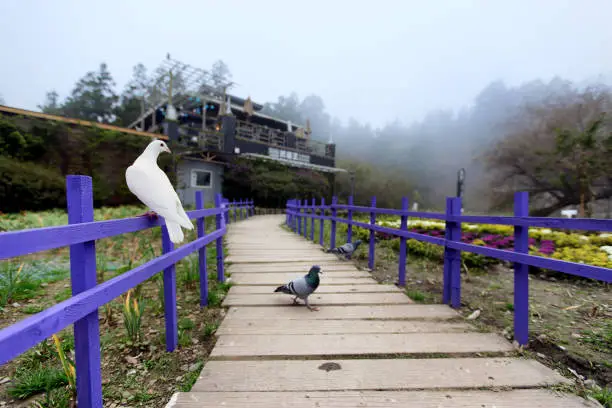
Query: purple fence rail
298 212
87 295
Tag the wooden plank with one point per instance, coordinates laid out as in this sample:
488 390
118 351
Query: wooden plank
287 276
269 257
284 267
531 398
320 299
374 374
286 253
372 288
396 312
276 326
281 279
320 345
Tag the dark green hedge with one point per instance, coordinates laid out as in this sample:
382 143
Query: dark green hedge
29 186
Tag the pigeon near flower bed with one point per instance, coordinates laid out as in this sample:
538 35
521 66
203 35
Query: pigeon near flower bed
303 286
347 249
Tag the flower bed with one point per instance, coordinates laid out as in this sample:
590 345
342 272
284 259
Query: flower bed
594 249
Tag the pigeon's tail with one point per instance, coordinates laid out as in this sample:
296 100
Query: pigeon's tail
175 232
284 289
332 250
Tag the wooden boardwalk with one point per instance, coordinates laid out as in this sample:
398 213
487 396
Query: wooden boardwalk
367 346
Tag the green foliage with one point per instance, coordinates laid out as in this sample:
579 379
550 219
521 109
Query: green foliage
29 186
93 97
16 283
32 381
36 155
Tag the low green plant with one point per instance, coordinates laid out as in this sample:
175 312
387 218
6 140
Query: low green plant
15 284
32 381
132 316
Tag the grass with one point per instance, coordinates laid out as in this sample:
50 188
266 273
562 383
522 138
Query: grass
28 382
136 371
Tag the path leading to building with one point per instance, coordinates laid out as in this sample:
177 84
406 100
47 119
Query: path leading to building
367 346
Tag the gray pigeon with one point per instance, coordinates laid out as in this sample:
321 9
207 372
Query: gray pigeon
303 286
346 249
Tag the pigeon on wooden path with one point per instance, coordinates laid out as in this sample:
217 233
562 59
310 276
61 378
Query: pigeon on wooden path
151 185
303 286
346 249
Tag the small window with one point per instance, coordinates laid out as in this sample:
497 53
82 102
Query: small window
201 178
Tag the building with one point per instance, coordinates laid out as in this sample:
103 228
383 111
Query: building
211 127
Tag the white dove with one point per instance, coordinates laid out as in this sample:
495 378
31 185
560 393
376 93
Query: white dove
151 185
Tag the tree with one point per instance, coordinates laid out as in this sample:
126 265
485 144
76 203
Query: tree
559 151
51 105
286 108
133 97
220 75
93 97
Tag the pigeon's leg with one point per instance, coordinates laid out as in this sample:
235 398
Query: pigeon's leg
312 308
295 302
151 214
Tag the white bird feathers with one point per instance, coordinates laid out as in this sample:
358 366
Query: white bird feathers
151 185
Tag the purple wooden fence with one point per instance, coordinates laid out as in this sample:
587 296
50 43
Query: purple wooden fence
87 295
453 246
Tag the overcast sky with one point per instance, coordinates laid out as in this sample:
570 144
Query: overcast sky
374 60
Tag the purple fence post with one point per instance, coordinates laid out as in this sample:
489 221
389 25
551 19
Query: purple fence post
521 271
452 257
226 215
293 214
334 212
240 208
220 224
371 254
312 219
233 208
322 223
349 216
401 272
200 223
287 216
299 216
169 295
79 194
305 231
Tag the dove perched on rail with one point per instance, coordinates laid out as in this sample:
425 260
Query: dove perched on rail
303 286
346 249
151 185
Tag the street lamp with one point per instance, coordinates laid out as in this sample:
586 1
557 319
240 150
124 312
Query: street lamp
352 181
460 183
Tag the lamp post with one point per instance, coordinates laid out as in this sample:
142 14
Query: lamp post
352 181
460 183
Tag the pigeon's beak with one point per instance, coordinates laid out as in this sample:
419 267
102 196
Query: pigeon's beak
167 149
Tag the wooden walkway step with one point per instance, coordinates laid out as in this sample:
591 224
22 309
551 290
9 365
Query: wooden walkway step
293 267
388 312
373 374
380 399
322 345
371 288
281 279
369 345
263 326
321 299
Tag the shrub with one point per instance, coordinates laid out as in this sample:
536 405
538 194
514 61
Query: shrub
29 186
